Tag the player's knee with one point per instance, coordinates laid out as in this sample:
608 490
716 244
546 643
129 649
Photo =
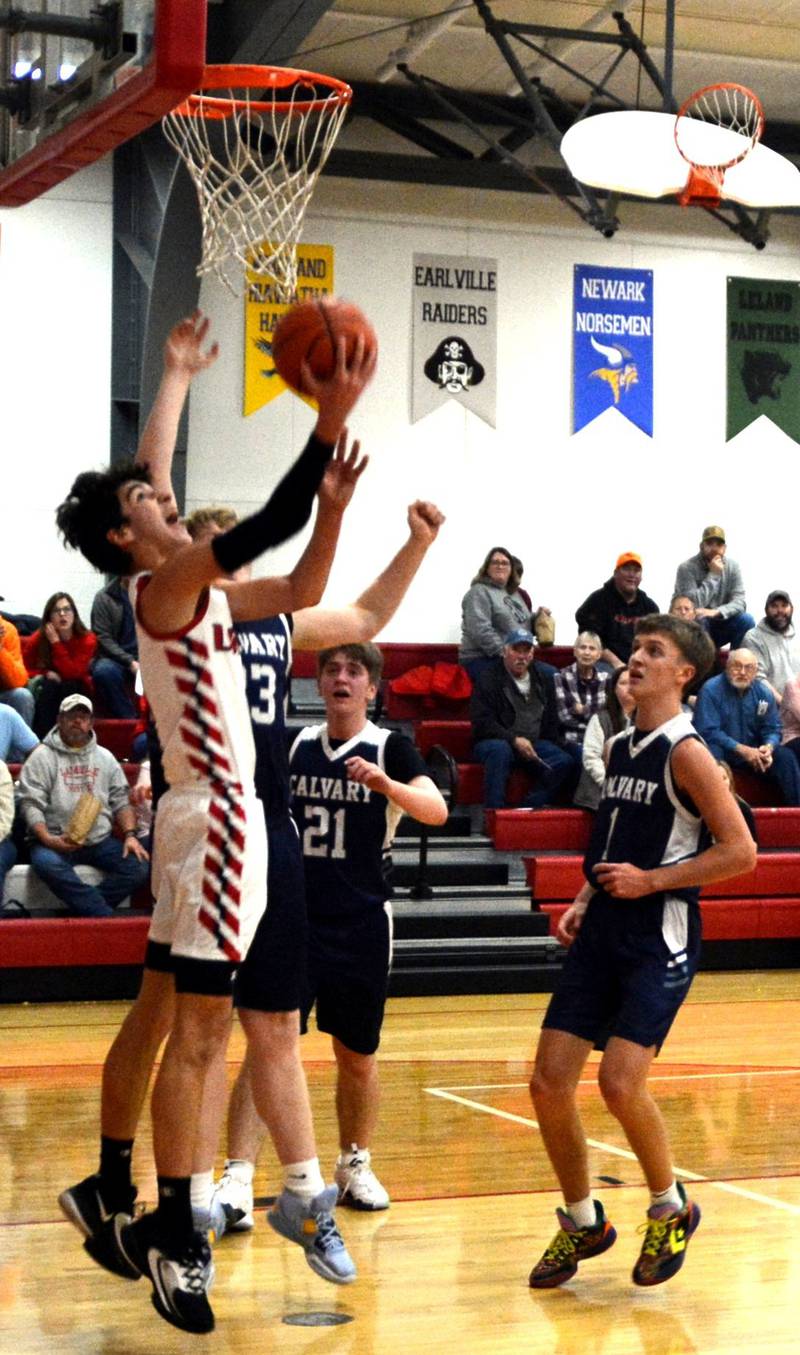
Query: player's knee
356 1067
201 1030
616 1090
547 1086
271 1034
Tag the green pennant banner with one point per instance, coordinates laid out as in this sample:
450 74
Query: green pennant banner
763 354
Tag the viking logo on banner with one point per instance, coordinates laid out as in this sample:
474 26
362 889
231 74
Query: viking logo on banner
262 313
612 345
455 334
763 354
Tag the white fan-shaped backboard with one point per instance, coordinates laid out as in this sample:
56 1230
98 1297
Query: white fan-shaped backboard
634 152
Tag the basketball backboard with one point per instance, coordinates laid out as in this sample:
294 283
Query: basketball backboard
103 73
634 152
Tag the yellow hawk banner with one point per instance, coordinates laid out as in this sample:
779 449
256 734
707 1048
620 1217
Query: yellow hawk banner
262 313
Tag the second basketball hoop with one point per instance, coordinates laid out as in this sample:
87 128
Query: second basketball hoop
254 139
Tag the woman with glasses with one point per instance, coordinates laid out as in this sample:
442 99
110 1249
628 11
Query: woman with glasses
58 657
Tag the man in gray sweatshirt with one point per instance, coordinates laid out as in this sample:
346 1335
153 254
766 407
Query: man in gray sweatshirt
66 766
714 583
774 643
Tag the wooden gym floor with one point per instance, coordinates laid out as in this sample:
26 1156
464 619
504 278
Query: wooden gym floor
445 1269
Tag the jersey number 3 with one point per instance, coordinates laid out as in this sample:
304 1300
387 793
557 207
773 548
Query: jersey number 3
324 835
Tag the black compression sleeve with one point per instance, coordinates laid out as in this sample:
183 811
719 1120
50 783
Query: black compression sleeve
288 509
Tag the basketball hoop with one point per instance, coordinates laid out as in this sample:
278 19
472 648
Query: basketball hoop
255 147
715 129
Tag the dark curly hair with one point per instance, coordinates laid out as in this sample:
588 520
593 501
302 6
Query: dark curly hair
92 509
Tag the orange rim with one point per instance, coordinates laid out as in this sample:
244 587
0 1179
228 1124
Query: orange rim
751 140
216 107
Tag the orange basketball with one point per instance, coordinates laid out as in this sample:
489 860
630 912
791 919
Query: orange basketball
310 330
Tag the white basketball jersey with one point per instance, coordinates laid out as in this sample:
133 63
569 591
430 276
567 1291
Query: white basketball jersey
195 683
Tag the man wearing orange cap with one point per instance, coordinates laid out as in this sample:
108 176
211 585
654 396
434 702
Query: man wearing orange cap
714 583
613 610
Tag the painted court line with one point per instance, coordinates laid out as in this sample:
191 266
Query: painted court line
656 1077
611 1149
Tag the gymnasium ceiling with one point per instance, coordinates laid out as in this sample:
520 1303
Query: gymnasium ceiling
400 130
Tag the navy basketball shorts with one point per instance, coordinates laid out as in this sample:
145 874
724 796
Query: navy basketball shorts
349 961
272 975
628 970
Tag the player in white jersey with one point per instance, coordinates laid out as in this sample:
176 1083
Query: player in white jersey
124 522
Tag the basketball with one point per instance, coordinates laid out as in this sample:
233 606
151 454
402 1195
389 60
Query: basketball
309 332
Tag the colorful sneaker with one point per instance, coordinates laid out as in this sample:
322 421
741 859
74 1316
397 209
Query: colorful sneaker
570 1245
667 1234
359 1187
312 1227
86 1206
234 1199
181 1277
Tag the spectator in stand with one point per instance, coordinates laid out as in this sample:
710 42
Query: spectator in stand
13 673
117 663
714 584
514 725
683 607
517 571
68 768
738 717
774 643
580 692
60 654
790 717
615 716
8 852
491 608
17 739
613 610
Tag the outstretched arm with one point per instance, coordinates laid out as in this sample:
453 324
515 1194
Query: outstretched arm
184 356
252 599
316 627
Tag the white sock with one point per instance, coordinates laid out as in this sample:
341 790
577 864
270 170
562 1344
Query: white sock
583 1213
670 1196
201 1189
303 1178
241 1170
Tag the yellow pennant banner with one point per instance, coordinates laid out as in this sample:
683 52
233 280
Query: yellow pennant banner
262 313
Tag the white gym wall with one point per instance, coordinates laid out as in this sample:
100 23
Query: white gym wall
567 505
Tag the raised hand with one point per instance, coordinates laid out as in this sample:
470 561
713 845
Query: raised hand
336 395
424 520
342 474
183 350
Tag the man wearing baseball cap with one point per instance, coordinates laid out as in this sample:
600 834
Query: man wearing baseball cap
613 610
73 793
514 724
774 643
714 583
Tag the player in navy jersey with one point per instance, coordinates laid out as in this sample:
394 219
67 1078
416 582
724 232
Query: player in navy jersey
275 965
666 825
351 782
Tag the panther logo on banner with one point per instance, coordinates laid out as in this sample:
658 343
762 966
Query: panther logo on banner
612 350
454 334
763 354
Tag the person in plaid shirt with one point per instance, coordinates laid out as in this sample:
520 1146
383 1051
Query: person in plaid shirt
580 692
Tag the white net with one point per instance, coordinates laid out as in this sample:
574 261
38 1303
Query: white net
255 156
718 126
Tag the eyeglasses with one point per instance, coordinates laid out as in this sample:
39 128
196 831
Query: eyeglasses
742 667
61 611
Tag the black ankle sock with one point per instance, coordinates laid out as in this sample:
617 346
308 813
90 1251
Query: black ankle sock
174 1213
115 1171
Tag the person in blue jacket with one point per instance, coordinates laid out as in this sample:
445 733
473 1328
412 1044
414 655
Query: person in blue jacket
738 717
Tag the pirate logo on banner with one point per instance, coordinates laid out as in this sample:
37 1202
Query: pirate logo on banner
455 334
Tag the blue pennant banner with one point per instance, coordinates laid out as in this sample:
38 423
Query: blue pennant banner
612 345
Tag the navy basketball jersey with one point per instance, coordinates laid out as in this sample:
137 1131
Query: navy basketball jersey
643 818
266 651
345 828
